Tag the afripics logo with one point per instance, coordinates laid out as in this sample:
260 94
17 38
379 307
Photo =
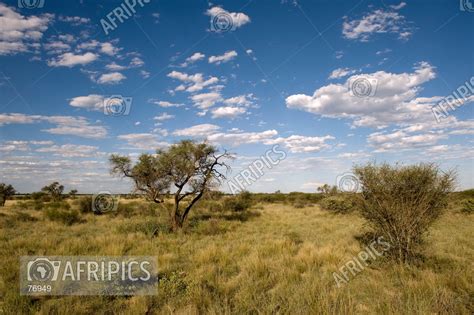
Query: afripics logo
30 4
43 269
466 5
79 275
117 105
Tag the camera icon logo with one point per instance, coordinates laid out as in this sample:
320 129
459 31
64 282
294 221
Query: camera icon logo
104 202
222 22
117 105
466 5
43 269
30 4
348 182
363 86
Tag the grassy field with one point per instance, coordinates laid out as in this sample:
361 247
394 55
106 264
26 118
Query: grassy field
272 259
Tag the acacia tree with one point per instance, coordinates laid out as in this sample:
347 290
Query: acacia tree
187 167
54 189
6 191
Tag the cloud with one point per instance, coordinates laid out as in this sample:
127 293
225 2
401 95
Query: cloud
241 100
108 49
19 33
206 100
115 67
298 144
340 73
90 102
111 78
136 63
196 82
227 56
65 125
419 135
311 186
228 112
164 103
74 20
192 59
197 130
399 6
71 60
395 101
143 141
237 19
238 138
70 150
16 145
163 117
145 74
57 47
376 22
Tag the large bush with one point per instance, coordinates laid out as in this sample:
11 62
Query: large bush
401 202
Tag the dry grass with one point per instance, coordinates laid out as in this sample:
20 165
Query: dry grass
280 261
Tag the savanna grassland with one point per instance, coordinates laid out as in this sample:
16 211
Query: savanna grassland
278 257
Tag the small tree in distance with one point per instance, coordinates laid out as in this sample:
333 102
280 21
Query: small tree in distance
327 189
400 203
6 191
188 167
55 190
73 193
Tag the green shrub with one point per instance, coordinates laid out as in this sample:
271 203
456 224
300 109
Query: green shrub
67 217
400 203
299 205
338 204
24 217
468 206
271 198
126 210
38 205
85 204
241 202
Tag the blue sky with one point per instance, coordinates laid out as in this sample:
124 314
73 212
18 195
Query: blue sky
282 73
